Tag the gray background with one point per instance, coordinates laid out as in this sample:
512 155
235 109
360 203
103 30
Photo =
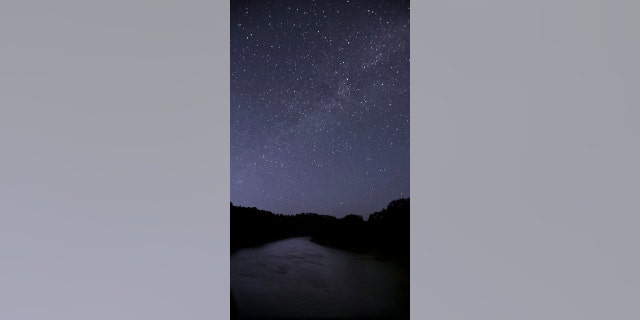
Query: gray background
525 167
114 163
114 172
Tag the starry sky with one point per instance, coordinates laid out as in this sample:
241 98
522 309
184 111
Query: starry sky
319 105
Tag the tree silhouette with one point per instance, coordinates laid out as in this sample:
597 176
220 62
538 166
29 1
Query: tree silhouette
385 231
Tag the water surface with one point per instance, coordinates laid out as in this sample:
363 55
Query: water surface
296 278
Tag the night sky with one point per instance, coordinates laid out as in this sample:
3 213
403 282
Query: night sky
319 105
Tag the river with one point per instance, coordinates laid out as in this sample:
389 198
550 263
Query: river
298 279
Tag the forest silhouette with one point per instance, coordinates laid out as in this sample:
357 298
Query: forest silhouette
385 231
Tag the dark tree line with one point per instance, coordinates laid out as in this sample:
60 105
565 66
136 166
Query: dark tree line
385 231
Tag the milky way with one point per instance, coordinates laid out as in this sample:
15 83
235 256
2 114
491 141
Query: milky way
319 105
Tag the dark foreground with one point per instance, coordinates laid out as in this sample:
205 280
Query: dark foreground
308 278
298 279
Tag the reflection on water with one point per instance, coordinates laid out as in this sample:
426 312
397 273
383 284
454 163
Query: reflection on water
296 278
